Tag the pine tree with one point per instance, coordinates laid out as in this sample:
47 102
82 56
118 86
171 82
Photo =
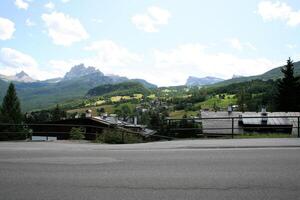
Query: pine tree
57 113
288 89
243 99
11 113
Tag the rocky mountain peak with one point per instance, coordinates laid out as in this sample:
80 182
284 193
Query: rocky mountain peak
81 70
21 74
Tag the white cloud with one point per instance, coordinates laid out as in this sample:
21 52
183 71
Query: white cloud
163 67
65 1
250 46
193 59
98 21
237 44
50 5
21 4
7 29
270 11
110 53
152 19
166 67
63 29
291 46
110 58
29 23
13 61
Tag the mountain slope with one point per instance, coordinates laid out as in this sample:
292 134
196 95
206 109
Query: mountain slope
44 94
125 88
272 74
146 84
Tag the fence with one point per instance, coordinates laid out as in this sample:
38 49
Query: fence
173 128
61 131
237 125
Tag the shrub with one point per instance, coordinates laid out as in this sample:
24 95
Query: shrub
117 136
77 134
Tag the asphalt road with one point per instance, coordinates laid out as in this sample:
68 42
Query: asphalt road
212 169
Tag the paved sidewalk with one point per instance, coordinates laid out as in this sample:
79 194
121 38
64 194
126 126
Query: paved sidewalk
178 144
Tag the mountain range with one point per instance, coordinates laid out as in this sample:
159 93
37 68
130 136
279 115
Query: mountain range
75 84
80 79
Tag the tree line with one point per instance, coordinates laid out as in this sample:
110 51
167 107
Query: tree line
279 95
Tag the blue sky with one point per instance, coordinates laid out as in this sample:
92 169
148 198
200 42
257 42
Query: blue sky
163 41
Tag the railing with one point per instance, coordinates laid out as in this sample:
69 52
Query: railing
206 127
232 124
61 131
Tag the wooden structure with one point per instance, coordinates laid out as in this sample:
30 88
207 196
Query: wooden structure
61 129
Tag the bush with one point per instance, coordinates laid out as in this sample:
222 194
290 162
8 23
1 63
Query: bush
13 132
117 136
77 134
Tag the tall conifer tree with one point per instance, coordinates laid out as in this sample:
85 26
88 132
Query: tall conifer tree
288 89
11 113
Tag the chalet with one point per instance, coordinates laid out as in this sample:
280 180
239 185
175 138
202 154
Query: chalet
60 129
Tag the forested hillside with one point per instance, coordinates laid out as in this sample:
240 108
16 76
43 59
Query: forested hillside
125 89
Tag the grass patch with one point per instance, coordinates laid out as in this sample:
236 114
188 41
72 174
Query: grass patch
108 108
219 102
119 98
131 106
181 113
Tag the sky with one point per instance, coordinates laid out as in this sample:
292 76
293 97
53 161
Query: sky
161 41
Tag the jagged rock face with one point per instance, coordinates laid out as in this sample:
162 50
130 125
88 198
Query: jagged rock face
208 80
80 71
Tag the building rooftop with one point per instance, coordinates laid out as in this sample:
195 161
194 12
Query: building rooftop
223 126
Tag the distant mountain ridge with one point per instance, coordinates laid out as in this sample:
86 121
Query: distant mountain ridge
274 74
208 80
20 77
75 84
94 77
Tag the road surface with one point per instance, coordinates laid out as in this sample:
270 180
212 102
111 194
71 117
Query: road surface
205 169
